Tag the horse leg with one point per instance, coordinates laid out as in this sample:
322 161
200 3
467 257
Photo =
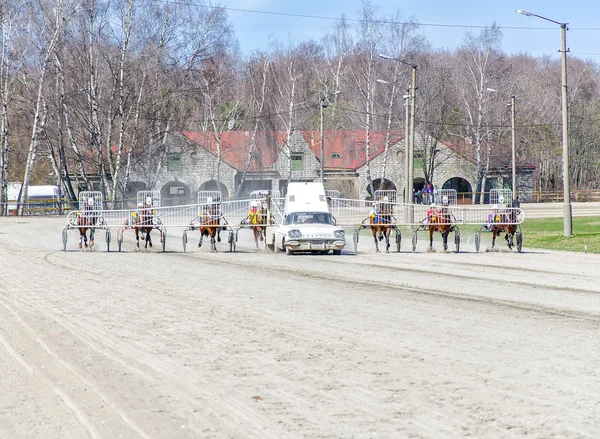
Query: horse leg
375 239
213 243
387 241
445 238
91 237
148 239
137 237
256 235
200 242
430 238
80 238
218 235
494 238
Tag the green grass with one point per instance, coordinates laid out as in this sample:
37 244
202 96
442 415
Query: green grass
545 233
548 233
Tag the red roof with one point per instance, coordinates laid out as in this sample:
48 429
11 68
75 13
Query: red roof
235 146
346 149
343 149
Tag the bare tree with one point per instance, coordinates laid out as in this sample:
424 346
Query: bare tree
50 27
476 68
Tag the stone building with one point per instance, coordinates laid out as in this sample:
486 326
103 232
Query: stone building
189 163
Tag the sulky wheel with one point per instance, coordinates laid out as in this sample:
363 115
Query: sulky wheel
477 241
230 240
398 240
355 240
519 241
107 240
457 241
64 239
414 241
184 240
163 238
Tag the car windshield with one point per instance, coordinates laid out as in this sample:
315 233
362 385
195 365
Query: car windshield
309 218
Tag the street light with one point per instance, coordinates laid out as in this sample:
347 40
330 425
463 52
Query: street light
410 175
324 104
514 146
567 212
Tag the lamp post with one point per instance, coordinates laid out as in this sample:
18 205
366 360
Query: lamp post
567 212
514 144
324 104
411 133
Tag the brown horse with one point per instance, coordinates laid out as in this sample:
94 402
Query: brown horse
210 225
86 220
144 225
440 221
381 226
505 222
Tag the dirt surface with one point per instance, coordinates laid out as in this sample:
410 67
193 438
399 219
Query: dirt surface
256 345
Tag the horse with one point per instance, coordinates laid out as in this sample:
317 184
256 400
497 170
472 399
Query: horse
440 221
86 220
144 225
507 223
210 225
258 222
381 226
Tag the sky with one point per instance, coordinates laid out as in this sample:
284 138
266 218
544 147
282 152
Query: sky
444 23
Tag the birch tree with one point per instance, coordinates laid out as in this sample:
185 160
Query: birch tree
52 17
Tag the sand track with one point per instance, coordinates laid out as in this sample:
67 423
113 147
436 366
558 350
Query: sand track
258 345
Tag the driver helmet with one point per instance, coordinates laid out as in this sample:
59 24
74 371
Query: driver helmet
140 204
253 204
445 199
501 199
374 205
90 201
386 198
495 207
432 205
148 200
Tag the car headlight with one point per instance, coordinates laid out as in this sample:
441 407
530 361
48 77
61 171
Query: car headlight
295 234
339 234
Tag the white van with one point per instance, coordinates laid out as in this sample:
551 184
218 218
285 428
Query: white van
307 223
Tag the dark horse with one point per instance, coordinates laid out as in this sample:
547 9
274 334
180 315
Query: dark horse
210 225
144 225
440 221
381 226
505 222
86 220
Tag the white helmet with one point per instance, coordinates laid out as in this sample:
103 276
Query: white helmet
140 204
374 205
148 200
253 204
501 199
432 205
445 199
495 206
386 198
91 201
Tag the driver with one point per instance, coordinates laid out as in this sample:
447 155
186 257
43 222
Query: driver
492 217
430 213
253 213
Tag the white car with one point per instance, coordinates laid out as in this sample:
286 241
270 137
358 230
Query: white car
310 232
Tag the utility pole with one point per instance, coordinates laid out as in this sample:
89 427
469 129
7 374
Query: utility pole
323 105
514 148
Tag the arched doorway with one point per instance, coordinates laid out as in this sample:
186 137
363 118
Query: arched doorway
418 184
214 185
175 193
378 184
462 187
